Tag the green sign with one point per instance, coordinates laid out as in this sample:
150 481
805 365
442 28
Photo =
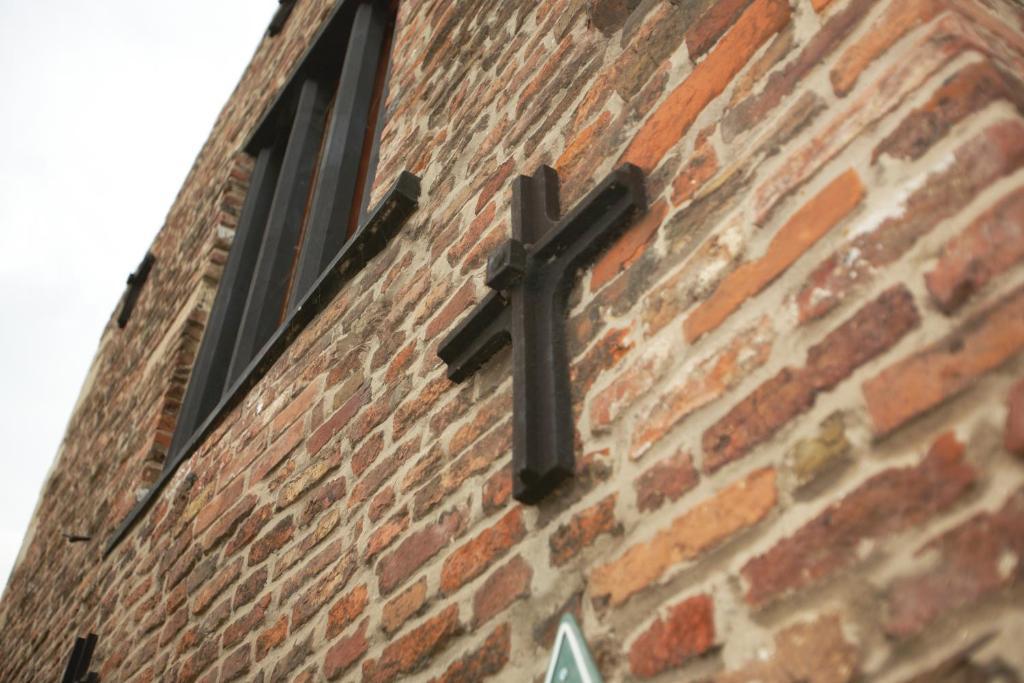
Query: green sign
571 661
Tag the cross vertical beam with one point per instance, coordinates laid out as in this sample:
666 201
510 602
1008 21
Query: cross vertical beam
531 276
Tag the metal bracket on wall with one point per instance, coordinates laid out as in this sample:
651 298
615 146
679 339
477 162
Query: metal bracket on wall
531 276
135 282
77 670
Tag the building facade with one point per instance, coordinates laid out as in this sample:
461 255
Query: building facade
795 376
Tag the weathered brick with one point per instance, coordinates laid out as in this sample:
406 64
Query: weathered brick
687 631
872 330
628 248
674 117
215 586
456 306
416 549
702 35
1014 438
297 407
993 243
272 541
272 637
377 476
813 651
472 559
975 165
212 510
346 610
497 491
346 652
886 504
278 451
236 664
705 526
507 584
582 530
385 534
250 588
380 503
809 224
313 599
198 662
411 651
899 19
975 559
929 377
239 629
337 421
700 168
703 381
321 499
812 456
487 660
668 479
969 90
227 522
406 604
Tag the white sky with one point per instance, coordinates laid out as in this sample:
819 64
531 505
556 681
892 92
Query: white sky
103 107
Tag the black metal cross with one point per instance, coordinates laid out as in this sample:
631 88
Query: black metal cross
77 670
532 275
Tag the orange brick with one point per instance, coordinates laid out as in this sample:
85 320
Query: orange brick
673 118
926 379
1014 438
706 526
900 18
399 609
582 530
473 558
687 631
803 230
628 248
411 650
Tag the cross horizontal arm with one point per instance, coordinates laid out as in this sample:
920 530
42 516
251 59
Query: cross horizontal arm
482 334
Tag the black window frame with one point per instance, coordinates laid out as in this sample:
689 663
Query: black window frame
305 227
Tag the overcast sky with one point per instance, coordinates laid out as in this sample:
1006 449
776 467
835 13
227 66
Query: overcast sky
103 108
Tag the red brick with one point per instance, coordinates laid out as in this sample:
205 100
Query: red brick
228 521
198 662
322 498
497 491
673 118
250 588
703 34
416 549
748 113
969 90
236 664
385 534
898 20
629 247
582 530
367 454
216 586
927 378
272 541
337 421
809 224
977 164
277 452
406 604
687 631
601 357
381 503
473 558
216 507
820 5
976 559
412 410
487 660
484 418
239 629
300 484
507 584
992 244
813 651
346 652
872 330
309 603
668 479
346 610
886 504
382 472
1014 439
577 160
296 407
271 637
703 382
412 650
705 526
458 304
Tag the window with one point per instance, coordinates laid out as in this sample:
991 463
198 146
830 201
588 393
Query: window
304 227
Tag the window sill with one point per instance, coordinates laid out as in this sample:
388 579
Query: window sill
382 224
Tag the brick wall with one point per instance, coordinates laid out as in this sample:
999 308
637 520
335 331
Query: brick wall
798 380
